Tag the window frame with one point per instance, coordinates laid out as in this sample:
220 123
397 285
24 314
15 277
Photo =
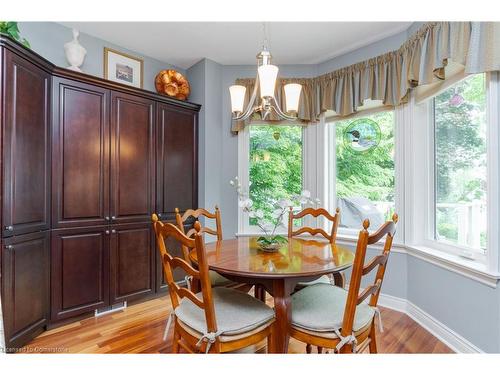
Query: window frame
331 171
423 115
244 227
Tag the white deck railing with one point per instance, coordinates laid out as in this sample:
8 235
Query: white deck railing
467 216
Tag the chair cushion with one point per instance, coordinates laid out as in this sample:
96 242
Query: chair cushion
236 312
323 280
217 279
320 308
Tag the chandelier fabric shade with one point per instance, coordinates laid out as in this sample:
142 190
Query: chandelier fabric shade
237 93
292 96
390 77
267 80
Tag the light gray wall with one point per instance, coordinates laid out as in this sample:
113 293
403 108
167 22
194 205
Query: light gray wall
466 306
197 83
48 39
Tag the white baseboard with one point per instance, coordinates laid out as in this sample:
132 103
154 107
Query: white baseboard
453 340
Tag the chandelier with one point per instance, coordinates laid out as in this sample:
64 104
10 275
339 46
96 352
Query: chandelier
267 103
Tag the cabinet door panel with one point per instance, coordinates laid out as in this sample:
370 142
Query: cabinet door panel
25 287
26 147
80 154
132 262
132 163
80 271
177 160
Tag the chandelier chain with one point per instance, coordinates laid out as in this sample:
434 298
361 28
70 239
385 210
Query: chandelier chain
265 42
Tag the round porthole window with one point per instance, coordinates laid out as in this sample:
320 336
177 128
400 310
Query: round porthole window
362 135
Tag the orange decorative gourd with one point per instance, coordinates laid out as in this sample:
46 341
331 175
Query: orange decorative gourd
172 83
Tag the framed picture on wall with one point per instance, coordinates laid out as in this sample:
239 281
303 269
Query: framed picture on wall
122 68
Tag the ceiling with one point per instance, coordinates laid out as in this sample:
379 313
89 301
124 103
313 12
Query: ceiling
236 43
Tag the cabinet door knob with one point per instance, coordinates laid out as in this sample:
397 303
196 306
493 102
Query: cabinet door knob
106 218
107 232
113 217
9 227
8 247
113 231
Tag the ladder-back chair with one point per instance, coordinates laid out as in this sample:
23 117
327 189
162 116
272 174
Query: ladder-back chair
331 237
331 317
215 320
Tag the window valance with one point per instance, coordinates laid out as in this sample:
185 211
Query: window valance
421 60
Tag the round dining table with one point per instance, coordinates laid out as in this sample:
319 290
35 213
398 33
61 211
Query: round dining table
300 260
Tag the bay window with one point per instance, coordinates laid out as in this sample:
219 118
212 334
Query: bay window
434 161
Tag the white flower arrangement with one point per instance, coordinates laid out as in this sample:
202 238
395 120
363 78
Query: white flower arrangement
281 207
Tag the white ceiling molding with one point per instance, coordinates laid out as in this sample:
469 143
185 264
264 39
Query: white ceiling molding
236 43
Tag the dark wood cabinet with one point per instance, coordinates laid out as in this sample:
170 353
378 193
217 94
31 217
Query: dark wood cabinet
25 286
26 147
177 160
132 158
80 155
85 162
132 262
79 271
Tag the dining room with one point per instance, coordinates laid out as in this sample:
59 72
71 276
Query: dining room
263 186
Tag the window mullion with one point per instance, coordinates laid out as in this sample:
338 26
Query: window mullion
493 164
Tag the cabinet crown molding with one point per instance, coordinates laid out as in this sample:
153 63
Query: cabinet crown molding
45 64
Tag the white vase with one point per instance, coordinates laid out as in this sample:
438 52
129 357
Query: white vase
75 53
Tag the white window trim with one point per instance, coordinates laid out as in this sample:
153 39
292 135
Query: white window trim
419 188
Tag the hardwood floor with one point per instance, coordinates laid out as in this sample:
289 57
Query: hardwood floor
139 329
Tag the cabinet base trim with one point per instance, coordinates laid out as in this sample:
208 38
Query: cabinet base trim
116 307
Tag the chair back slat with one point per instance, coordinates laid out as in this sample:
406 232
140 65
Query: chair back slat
388 228
196 214
377 260
359 270
181 263
186 293
314 212
192 231
311 231
368 291
177 292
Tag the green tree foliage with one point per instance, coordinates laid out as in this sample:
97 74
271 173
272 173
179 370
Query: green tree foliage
460 146
368 174
460 141
275 165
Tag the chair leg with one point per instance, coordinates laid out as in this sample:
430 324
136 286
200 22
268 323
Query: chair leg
175 342
308 348
320 349
259 293
373 340
270 341
165 333
339 279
